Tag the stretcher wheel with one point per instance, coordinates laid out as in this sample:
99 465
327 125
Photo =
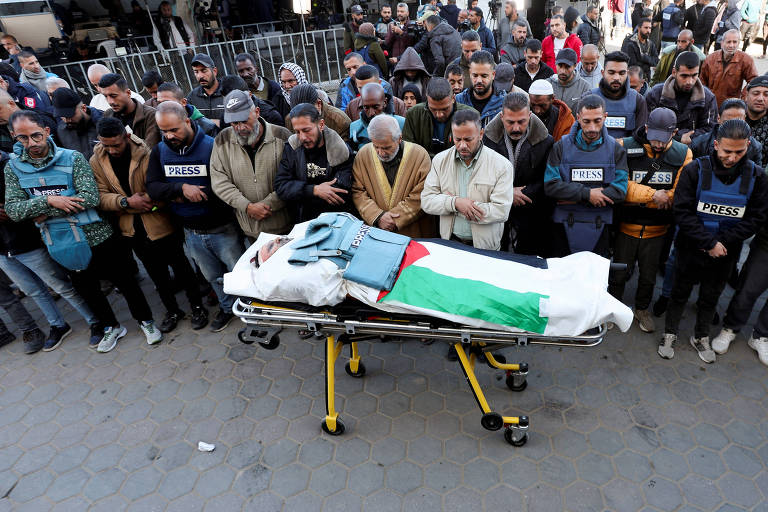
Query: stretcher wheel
511 438
516 385
492 421
500 359
360 370
272 344
241 336
339 428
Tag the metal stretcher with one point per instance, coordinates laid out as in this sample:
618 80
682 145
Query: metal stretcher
351 322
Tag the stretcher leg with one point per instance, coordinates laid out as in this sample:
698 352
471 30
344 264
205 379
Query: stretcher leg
331 424
515 426
516 373
354 367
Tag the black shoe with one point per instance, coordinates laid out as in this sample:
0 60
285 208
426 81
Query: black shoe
660 306
33 341
221 320
56 336
171 320
452 355
7 338
199 317
97 332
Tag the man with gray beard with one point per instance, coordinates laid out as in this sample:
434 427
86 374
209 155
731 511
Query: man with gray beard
244 162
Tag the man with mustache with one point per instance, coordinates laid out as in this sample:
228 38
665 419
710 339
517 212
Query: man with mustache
587 176
179 174
138 118
669 56
482 96
394 202
243 166
726 70
567 85
522 138
374 102
626 109
78 129
757 108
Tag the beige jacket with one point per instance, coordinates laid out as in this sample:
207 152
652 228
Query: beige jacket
491 186
239 183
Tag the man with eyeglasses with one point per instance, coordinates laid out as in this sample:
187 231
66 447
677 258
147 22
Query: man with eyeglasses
54 187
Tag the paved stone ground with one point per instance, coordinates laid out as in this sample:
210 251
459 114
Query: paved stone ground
612 428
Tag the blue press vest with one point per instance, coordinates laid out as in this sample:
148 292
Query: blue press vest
669 29
621 113
371 256
193 167
721 206
55 179
583 223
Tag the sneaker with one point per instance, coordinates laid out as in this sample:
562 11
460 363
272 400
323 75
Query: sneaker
660 306
645 320
703 348
34 340
199 317
723 340
221 320
151 332
667 346
97 332
171 320
7 338
111 335
56 336
760 345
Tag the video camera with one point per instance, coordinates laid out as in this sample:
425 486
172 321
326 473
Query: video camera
463 26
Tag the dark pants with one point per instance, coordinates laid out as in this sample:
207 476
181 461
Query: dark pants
157 256
109 261
645 251
748 33
16 310
693 266
753 281
529 232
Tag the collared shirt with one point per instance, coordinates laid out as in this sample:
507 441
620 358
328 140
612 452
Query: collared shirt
461 226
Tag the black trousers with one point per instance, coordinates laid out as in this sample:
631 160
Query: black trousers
645 251
157 256
753 281
693 266
109 261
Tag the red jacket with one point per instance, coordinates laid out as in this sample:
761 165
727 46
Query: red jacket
548 49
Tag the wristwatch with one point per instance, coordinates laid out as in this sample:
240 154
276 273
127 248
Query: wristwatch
124 203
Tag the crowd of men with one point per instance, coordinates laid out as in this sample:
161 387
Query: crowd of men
654 159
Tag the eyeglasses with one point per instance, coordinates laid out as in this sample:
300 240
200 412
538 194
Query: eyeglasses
288 82
36 137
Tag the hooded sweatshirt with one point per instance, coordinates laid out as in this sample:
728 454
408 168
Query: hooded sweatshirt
571 92
593 78
409 61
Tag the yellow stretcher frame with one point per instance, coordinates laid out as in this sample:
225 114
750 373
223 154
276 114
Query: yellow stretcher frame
263 323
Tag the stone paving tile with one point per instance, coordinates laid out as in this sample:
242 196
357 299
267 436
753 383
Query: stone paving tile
612 428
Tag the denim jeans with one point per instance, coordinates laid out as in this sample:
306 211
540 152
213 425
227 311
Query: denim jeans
216 251
16 310
35 271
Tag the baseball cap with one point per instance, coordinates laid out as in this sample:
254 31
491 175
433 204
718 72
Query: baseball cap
505 76
356 9
661 124
541 88
65 101
237 106
203 60
566 56
758 81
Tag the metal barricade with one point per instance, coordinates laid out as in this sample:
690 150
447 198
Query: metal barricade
319 52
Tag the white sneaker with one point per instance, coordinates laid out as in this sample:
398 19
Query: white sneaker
667 346
723 340
111 335
760 345
703 348
151 332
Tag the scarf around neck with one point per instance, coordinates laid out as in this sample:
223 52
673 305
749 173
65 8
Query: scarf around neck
38 80
298 73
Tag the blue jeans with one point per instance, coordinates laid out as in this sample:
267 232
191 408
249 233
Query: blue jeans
32 271
215 252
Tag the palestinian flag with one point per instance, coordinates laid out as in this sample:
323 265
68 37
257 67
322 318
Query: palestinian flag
566 298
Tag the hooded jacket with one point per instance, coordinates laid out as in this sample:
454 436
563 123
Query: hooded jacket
375 55
698 114
450 13
593 78
699 19
704 144
631 46
588 31
571 92
512 52
666 62
444 43
409 61
487 41
81 138
491 108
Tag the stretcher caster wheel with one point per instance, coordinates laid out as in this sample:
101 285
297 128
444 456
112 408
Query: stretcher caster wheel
339 428
360 370
514 437
243 338
516 382
272 344
492 421
500 359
